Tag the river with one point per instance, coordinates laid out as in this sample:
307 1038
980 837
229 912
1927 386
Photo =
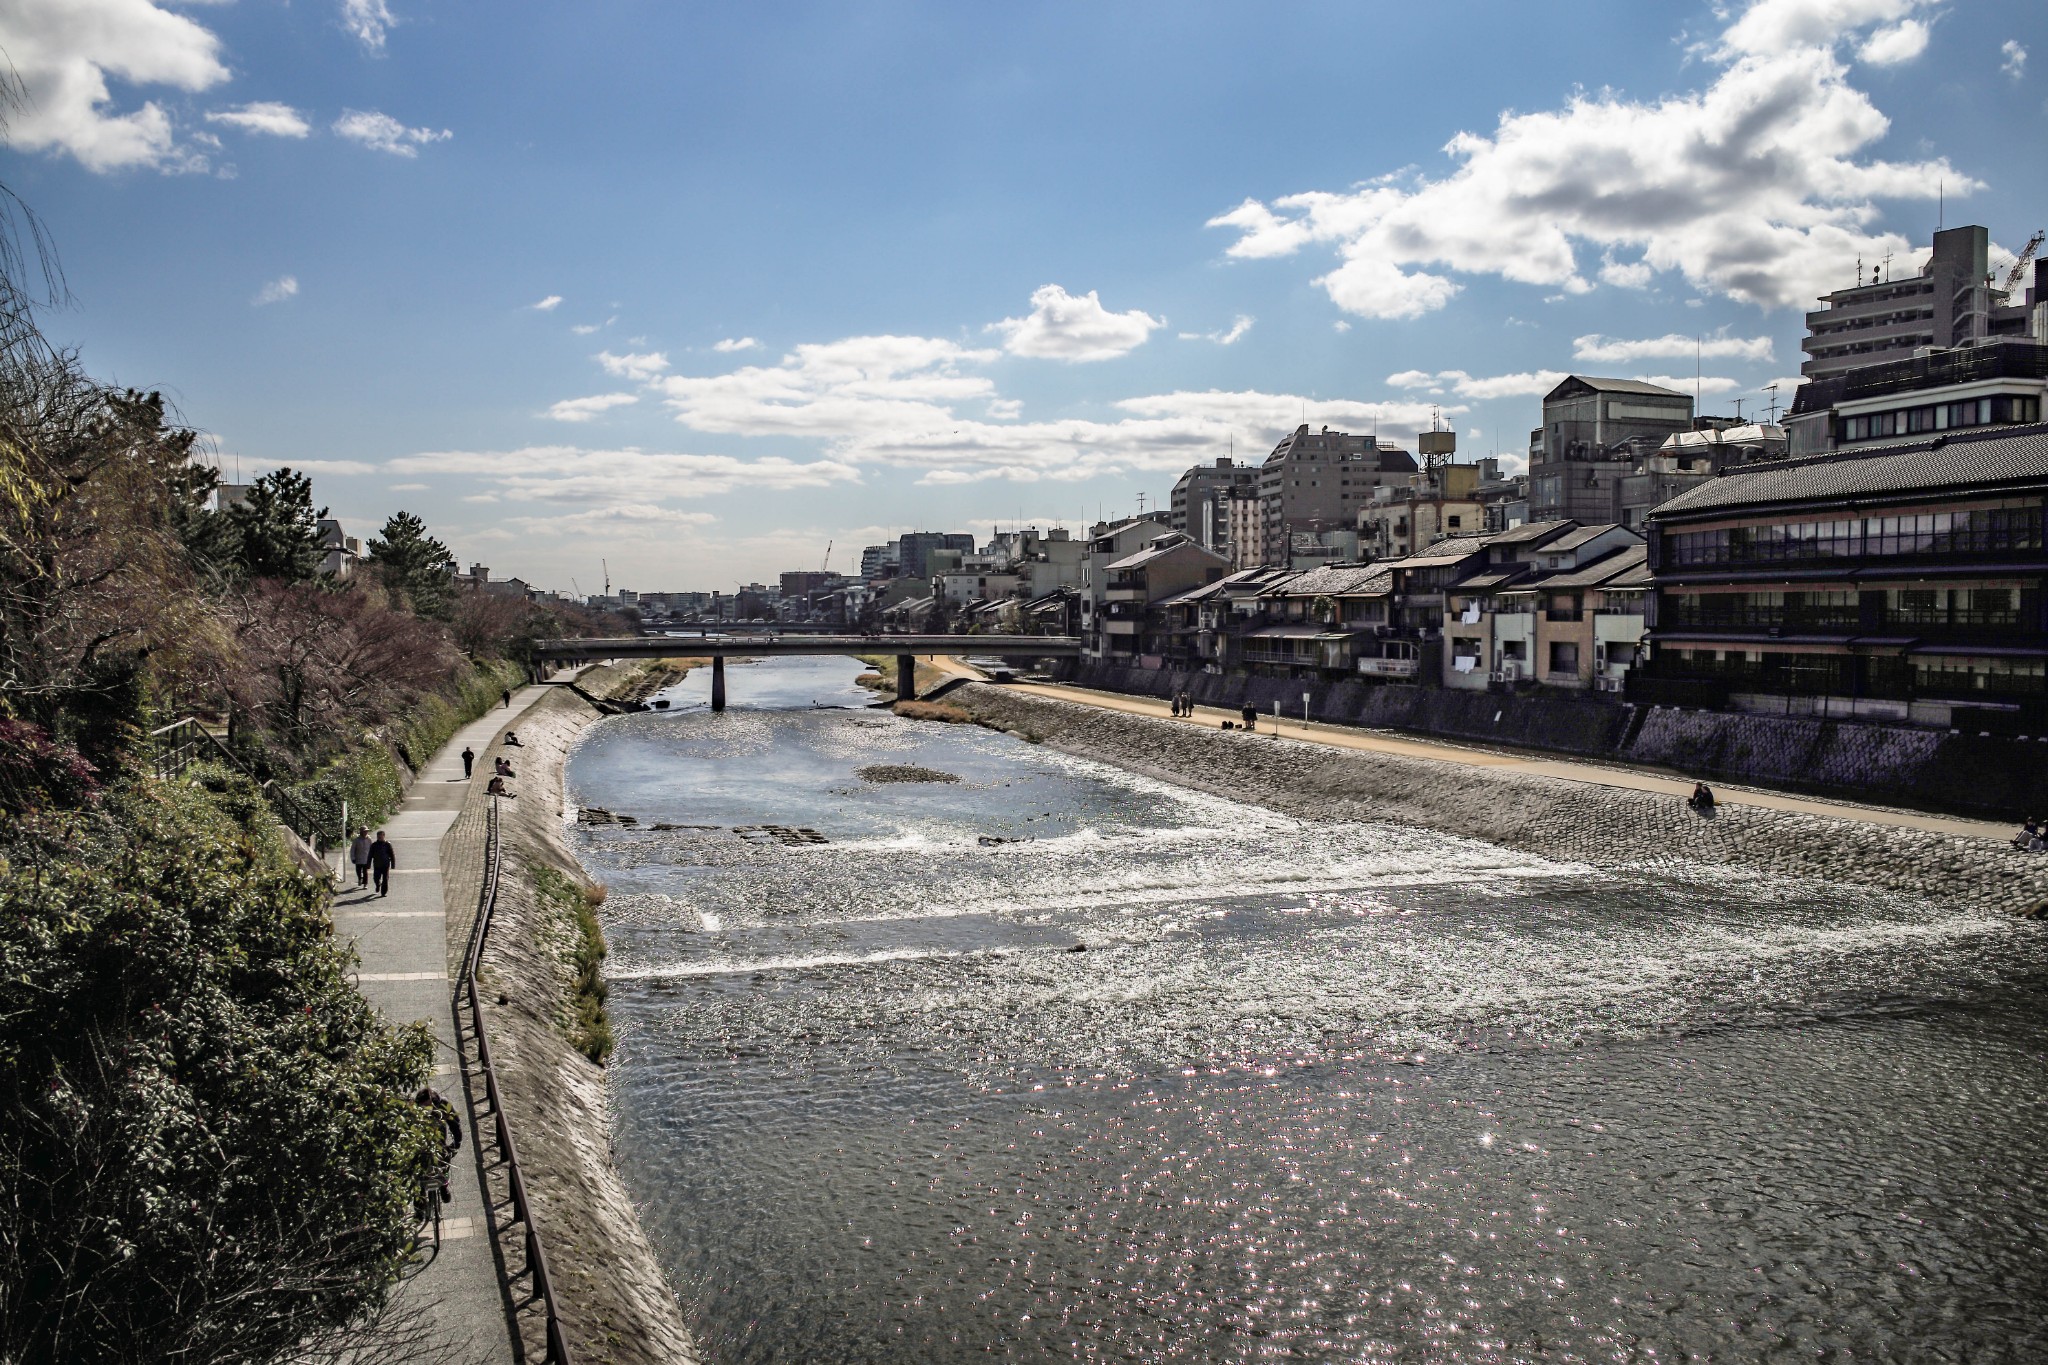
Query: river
1052 1061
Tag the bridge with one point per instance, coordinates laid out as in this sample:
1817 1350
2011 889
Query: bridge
719 648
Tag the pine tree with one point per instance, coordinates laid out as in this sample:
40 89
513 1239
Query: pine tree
415 566
280 530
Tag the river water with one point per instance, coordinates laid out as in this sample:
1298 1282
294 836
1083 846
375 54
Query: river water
1313 1091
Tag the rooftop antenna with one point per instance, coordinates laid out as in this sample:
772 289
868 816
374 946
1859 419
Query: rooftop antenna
1941 205
1772 389
1887 266
1696 362
1738 411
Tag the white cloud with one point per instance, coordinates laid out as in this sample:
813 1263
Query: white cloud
625 520
641 367
2015 63
1341 325
1614 351
834 390
1684 383
583 409
264 116
736 344
584 329
1895 46
1238 327
1526 383
368 21
383 133
64 51
548 304
1756 188
1625 274
330 467
277 291
574 474
408 487
1005 409
1063 327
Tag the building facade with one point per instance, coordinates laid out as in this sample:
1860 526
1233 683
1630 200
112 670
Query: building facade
1317 481
1200 506
1594 433
1949 301
2002 381
1902 584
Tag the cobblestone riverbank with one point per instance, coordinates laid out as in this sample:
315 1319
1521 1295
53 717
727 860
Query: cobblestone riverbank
1605 827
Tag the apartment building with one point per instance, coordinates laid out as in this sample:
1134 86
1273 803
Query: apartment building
1691 457
1950 301
1902 584
1563 607
1427 507
1594 433
2001 381
1317 481
1199 507
1129 626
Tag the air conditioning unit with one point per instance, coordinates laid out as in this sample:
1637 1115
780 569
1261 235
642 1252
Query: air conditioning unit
1500 676
1599 656
1608 684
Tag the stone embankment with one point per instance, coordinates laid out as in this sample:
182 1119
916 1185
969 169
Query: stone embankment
1607 827
616 1306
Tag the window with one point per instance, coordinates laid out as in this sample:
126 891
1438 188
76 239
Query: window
1564 658
1457 522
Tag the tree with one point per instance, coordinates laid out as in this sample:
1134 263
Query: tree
414 566
280 531
209 1151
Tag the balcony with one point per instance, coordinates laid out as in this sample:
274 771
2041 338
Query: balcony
1389 668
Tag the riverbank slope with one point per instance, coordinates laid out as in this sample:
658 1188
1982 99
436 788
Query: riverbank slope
1615 828
616 1305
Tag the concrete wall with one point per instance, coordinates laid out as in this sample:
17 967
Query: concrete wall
1991 777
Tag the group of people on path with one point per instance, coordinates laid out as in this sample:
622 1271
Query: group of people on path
1183 704
2033 836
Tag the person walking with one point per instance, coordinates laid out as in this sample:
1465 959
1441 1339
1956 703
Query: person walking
359 857
383 857
468 761
508 701
1250 715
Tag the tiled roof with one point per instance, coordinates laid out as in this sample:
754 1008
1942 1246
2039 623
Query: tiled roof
1572 540
1529 531
1619 386
1598 572
2011 455
1334 580
1442 553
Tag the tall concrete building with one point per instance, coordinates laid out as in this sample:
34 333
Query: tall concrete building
1317 481
1950 301
1200 509
1593 433
915 548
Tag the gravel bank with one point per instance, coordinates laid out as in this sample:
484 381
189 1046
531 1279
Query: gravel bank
616 1306
1604 827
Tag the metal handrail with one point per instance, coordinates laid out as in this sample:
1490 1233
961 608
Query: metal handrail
172 756
536 1256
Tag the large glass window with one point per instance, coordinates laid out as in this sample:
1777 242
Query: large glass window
2013 525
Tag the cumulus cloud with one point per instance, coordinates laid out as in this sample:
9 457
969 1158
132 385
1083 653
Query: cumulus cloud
383 133
584 329
1614 351
736 344
1524 384
1757 187
65 50
548 304
1063 327
574 474
1238 327
642 366
277 291
583 409
367 21
832 389
264 116
1685 383
1896 45
2015 63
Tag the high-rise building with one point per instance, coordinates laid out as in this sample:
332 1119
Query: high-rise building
1317 481
1949 301
1200 509
914 550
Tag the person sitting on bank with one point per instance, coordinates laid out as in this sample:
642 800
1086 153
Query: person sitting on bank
512 740
504 768
2030 838
498 788
1702 798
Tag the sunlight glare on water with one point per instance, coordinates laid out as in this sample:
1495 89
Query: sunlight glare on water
1310 1090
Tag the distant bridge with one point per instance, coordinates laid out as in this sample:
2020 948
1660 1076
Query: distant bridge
719 648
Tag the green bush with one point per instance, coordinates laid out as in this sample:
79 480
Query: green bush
589 1025
208 1146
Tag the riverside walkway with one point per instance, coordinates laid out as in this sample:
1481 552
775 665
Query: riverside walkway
453 1307
1449 751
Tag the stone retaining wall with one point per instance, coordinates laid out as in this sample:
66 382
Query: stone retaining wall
1607 827
1988 776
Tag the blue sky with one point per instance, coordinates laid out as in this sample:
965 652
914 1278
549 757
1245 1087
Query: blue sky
967 263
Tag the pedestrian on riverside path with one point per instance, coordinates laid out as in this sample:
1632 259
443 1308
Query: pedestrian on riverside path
359 857
468 761
508 701
383 857
1250 714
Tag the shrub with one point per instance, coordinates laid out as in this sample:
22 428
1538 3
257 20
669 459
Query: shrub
589 1026
208 1146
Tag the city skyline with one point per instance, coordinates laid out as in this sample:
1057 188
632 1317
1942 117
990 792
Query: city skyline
699 295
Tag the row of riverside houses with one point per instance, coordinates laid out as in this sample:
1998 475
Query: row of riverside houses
1885 560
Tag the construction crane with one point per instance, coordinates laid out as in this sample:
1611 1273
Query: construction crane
2023 260
826 567
607 578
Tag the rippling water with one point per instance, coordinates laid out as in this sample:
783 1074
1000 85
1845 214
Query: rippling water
1322 1091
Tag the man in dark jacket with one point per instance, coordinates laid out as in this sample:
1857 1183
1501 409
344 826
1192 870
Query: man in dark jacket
468 761
383 857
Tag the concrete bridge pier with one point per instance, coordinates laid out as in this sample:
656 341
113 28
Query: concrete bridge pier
718 682
906 677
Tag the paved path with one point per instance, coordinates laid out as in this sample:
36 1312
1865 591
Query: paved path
1597 774
402 942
